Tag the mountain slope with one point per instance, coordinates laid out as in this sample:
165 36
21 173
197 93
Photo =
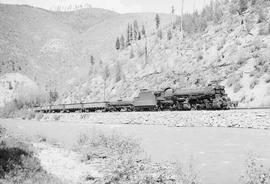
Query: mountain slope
54 47
235 51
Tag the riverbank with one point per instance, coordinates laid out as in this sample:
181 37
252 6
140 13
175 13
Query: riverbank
256 119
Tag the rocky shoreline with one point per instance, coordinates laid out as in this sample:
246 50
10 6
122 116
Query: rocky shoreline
255 119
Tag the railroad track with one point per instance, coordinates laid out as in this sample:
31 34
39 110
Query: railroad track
251 108
231 109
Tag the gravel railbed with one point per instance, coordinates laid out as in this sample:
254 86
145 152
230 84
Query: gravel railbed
256 119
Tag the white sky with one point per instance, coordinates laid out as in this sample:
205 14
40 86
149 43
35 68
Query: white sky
121 6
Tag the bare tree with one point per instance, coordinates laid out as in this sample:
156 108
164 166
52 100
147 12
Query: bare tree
122 42
118 72
106 75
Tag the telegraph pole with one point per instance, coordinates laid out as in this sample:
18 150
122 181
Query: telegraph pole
173 15
104 93
146 51
145 48
182 13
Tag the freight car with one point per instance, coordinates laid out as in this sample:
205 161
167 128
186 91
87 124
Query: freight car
212 97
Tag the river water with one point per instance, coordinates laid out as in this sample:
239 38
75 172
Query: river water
219 153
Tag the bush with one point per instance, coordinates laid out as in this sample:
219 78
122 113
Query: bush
56 117
39 116
126 162
237 87
186 174
255 172
221 44
19 165
160 34
261 16
131 54
10 109
267 78
234 79
16 109
254 83
20 107
268 27
101 145
199 56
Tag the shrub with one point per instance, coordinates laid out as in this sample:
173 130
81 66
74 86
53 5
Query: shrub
39 116
56 117
241 60
234 79
160 34
221 44
268 27
261 16
102 145
126 163
15 109
169 35
255 172
9 110
254 83
186 174
261 65
237 87
199 56
20 106
131 53
267 79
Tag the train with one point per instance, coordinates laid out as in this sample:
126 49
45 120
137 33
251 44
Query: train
211 97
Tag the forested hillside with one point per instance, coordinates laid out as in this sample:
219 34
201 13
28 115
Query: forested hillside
227 42
54 48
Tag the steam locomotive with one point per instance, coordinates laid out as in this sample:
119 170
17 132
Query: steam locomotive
212 97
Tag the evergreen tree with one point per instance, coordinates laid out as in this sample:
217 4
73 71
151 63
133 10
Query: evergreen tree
106 73
143 31
157 19
122 42
117 44
243 6
131 33
92 60
139 36
135 30
128 35
169 35
160 34
253 2
173 10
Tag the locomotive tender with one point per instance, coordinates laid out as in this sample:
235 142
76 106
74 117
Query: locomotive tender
212 97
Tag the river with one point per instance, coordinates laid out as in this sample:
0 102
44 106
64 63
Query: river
219 153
